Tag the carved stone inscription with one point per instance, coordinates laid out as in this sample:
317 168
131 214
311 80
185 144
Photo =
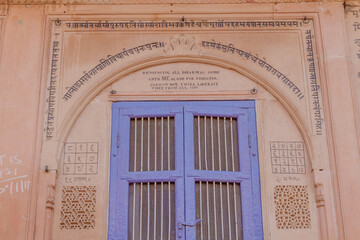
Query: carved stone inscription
315 92
287 157
50 121
158 25
108 61
230 49
180 80
352 18
80 158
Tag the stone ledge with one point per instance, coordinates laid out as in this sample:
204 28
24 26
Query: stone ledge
144 2
124 2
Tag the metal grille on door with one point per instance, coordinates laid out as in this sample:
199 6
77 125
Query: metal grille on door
177 172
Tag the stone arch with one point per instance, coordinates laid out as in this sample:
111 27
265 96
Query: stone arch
126 69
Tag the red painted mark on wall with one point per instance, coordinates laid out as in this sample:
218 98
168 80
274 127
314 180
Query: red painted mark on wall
10 179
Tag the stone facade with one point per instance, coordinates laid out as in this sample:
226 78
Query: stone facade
63 66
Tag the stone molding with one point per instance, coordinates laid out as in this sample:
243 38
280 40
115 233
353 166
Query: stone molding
352 3
133 2
129 2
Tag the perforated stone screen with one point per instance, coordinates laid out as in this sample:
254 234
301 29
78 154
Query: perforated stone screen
78 207
292 210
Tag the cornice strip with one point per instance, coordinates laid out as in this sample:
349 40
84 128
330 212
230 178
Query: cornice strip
144 2
130 2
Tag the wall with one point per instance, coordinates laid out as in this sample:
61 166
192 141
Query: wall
30 196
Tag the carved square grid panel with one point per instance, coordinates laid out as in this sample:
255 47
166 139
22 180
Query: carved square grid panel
292 207
78 207
287 157
80 158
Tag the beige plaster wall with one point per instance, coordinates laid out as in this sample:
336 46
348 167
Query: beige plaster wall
22 36
352 19
30 196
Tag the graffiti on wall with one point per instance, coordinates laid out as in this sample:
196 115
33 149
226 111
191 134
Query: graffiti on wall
11 181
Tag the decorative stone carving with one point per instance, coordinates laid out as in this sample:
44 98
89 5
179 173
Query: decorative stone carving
78 207
50 201
292 207
319 195
182 45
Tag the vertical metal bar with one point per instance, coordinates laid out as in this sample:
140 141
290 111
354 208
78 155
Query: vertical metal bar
199 144
227 184
208 209
225 143
221 202
219 145
214 197
233 168
200 167
148 184
207 183
141 200
205 153
162 144
134 194
155 168
141 169
168 137
232 144
135 140
162 184
169 193
148 147
235 210
155 143
212 143
142 146
213 168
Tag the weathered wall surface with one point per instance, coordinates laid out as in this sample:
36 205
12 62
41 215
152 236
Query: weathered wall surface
352 18
63 66
21 57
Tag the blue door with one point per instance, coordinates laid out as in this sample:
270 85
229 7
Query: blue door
184 170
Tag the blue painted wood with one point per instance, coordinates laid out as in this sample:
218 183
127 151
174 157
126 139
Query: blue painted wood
245 186
190 201
191 175
113 174
248 177
151 176
120 174
255 173
236 104
218 176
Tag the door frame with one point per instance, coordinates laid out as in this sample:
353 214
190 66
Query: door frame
251 231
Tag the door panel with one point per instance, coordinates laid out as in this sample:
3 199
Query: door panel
184 170
149 173
217 204
212 166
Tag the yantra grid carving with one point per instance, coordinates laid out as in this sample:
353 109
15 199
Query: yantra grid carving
292 209
78 207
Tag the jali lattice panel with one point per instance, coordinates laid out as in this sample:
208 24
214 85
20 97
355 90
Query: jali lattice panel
78 207
292 209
